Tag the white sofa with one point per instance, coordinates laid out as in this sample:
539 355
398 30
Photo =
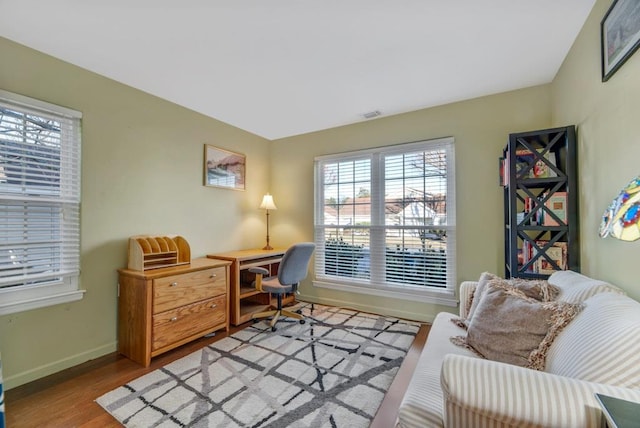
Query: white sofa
599 351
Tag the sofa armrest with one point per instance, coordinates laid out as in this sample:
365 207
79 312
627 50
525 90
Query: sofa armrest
467 288
502 394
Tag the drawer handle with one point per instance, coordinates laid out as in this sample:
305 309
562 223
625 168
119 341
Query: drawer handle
213 275
213 306
173 284
174 319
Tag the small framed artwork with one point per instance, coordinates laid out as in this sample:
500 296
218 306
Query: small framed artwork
223 168
620 35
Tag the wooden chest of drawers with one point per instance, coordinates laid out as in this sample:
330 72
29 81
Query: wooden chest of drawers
161 309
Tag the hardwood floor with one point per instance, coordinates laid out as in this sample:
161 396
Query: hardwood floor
66 399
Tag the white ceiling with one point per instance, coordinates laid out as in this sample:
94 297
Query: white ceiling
279 68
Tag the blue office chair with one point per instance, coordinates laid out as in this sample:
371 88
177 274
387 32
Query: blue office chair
293 269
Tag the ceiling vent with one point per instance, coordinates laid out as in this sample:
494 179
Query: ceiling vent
372 114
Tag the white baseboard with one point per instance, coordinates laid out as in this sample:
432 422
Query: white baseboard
413 316
65 363
57 366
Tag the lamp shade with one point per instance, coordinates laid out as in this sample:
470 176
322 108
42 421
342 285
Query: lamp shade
267 203
622 218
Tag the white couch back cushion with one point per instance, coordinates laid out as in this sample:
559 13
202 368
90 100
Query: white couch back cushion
576 288
601 344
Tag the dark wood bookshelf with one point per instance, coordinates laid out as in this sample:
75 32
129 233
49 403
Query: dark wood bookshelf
539 177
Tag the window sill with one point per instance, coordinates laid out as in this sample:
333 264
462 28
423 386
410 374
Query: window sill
444 297
40 302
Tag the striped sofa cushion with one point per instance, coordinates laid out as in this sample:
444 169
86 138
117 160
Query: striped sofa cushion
422 403
576 288
485 394
601 344
467 290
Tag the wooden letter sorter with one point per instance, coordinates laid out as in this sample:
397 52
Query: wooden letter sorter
155 252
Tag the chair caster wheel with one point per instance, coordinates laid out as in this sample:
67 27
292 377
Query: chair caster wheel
273 329
299 311
302 321
255 320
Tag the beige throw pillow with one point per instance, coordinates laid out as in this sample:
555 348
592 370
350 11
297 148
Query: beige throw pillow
510 327
538 289
485 277
535 288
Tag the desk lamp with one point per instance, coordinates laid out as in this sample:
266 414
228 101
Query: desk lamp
268 204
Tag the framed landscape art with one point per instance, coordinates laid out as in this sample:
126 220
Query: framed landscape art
223 168
620 35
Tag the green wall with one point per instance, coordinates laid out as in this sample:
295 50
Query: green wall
480 128
142 173
607 116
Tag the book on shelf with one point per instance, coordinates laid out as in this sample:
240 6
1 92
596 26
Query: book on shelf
557 204
504 169
524 160
526 254
520 257
539 263
556 252
530 204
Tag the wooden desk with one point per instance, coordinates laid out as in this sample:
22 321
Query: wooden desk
245 299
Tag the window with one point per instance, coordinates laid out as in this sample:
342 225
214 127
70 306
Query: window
39 204
385 221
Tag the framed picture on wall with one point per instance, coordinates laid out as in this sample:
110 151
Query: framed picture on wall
223 168
620 35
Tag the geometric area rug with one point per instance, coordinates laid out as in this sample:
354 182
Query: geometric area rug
332 371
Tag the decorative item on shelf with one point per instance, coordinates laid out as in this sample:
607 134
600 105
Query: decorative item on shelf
621 218
268 204
556 203
543 167
535 165
155 252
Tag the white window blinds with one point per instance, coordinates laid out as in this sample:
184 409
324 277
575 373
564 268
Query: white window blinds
39 194
385 218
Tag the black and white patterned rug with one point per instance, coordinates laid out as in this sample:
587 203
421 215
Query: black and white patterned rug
332 371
